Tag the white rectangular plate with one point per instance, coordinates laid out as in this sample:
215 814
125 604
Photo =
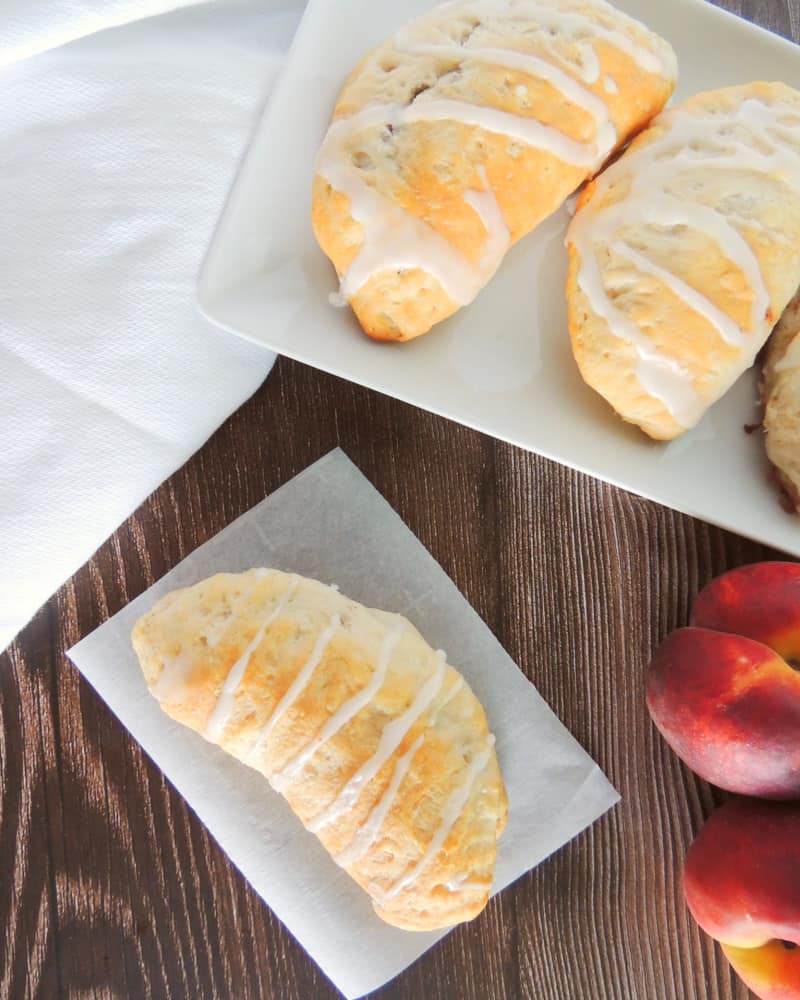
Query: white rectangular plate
503 365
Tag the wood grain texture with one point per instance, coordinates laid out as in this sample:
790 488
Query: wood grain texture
111 888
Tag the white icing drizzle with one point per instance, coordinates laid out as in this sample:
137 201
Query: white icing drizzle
730 331
214 630
176 671
393 239
452 693
450 815
577 25
498 238
568 23
668 210
461 884
370 828
298 684
660 375
610 85
529 131
458 880
227 696
748 223
172 680
396 239
344 714
392 736
575 92
741 140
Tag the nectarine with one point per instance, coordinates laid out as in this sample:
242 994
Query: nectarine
761 601
742 884
730 708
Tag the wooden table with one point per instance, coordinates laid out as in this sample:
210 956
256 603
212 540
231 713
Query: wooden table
112 888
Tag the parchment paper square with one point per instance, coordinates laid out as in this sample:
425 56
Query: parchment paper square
331 524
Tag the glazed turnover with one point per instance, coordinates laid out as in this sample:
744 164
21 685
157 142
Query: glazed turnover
378 745
461 133
683 254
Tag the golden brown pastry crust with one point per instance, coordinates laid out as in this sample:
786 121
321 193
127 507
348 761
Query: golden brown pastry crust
394 201
682 254
378 745
780 394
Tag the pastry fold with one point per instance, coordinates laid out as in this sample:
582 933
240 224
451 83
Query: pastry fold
462 133
683 255
379 746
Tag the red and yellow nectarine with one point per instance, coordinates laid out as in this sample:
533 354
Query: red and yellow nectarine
742 884
761 601
730 708
725 692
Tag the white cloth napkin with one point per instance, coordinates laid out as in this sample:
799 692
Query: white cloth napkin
116 151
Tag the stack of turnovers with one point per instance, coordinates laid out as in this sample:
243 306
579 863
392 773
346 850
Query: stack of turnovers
461 134
683 255
378 745
780 393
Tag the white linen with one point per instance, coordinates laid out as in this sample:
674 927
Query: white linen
116 152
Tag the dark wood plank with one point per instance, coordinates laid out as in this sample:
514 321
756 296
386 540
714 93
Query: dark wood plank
112 888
